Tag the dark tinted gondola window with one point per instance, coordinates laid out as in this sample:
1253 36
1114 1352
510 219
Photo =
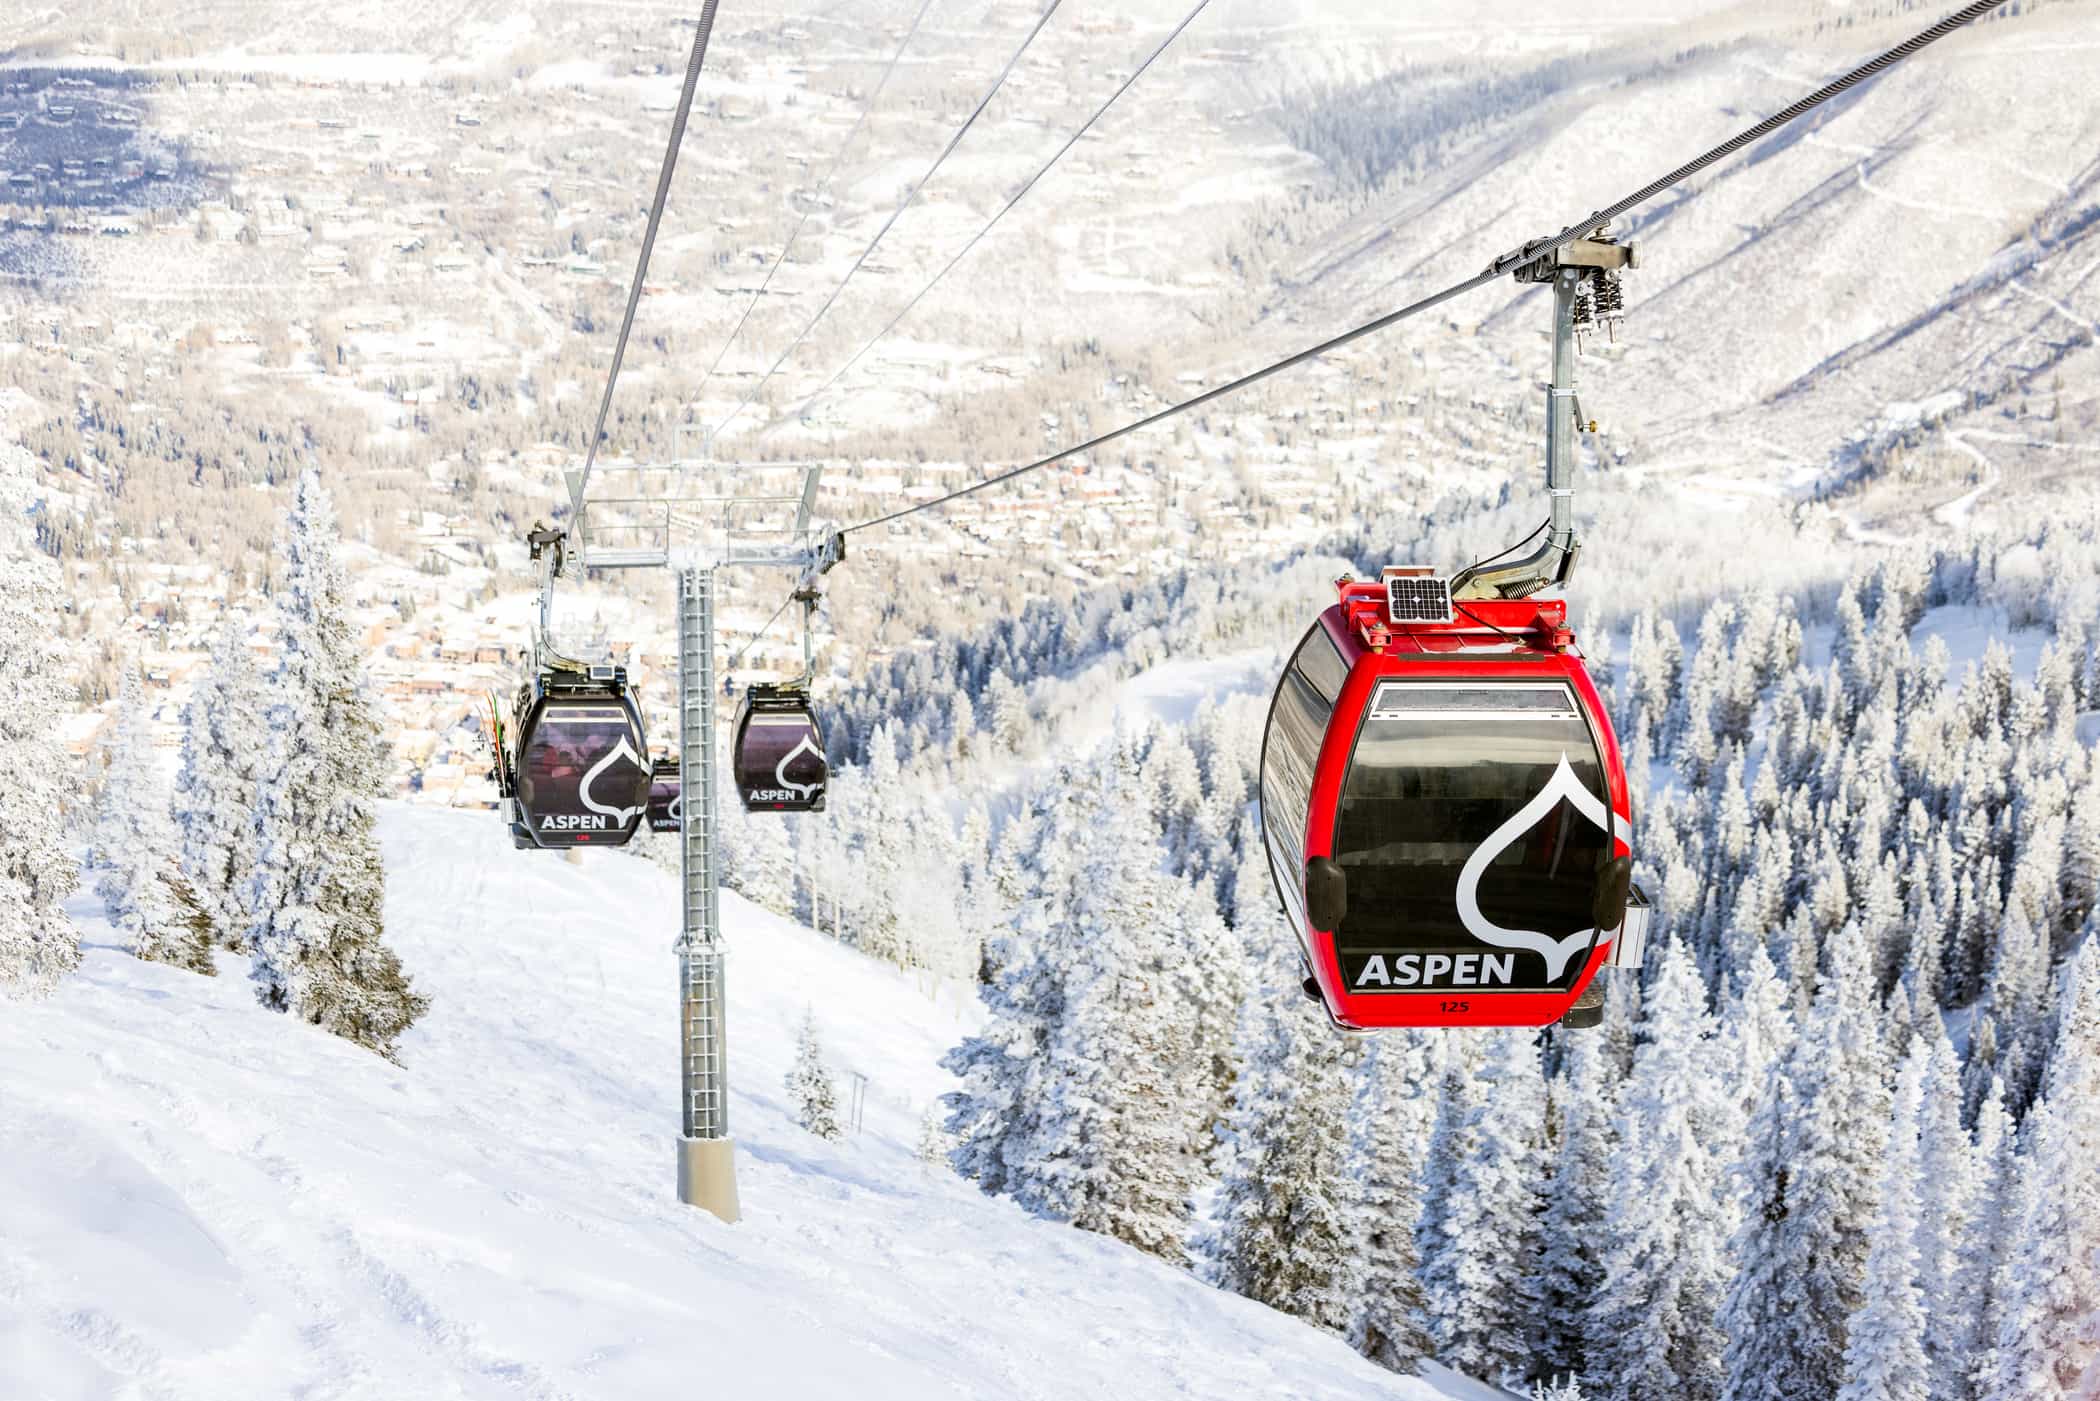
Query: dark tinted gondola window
1297 724
569 741
1437 771
1321 664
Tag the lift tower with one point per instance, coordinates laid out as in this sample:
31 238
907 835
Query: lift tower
695 519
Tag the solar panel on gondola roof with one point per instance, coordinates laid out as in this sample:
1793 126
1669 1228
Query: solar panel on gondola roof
1417 597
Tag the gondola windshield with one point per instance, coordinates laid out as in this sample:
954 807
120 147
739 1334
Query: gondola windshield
1472 824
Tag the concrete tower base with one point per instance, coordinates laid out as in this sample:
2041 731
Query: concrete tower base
707 1175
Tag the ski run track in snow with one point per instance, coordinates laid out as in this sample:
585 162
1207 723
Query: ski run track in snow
200 1199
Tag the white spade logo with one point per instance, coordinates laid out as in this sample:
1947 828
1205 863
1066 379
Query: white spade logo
1556 952
676 811
583 791
780 770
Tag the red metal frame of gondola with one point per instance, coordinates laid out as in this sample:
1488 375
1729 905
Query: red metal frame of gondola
1483 642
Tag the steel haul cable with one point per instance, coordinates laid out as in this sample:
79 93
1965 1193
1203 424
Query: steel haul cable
1504 266
1874 67
763 629
903 204
837 160
656 218
1004 209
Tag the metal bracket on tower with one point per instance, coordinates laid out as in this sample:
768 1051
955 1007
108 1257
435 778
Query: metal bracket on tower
1584 275
549 549
831 552
540 539
1597 250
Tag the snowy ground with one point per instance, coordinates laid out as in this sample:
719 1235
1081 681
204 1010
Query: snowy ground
201 1199
1174 691
1969 629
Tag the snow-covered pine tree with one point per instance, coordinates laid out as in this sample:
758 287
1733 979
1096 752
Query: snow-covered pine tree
1946 1170
1815 1147
1008 717
1754 1040
1225 973
1654 663
1176 790
1281 1232
1994 1161
1885 1337
2048 1343
934 1145
1651 1331
811 1095
38 944
194 939
1756 1297
319 950
1980 1079
760 851
1002 1065
1383 1167
133 849
940 944
1583 1182
224 749
1451 1141
1479 1303
1120 1090
2018 999
884 845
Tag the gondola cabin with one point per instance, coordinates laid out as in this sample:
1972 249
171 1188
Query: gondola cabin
666 811
1445 810
578 775
778 753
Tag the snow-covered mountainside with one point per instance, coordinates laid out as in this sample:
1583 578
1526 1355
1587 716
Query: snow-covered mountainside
199 1198
305 315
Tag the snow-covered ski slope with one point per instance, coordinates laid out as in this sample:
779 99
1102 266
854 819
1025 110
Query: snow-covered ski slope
201 1199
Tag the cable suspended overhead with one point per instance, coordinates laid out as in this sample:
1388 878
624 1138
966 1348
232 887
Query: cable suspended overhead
910 195
1509 264
838 158
701 31
1004 210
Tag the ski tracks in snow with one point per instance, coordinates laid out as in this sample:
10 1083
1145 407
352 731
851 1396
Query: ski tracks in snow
321 1301
200 1199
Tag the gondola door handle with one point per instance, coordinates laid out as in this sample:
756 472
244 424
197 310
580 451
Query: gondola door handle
1608 906
1326 894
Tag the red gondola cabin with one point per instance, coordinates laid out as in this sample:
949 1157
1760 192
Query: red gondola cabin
1445 811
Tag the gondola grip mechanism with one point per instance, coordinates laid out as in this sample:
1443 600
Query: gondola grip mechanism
826 555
